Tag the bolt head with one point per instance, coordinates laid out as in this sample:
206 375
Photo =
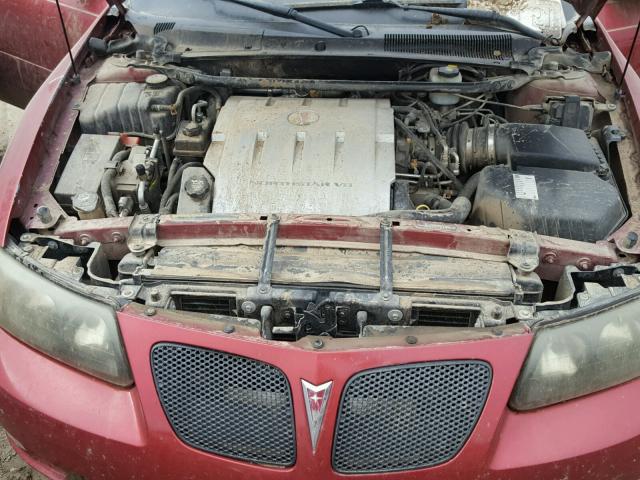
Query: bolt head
549 258
411 340
117 237
248 307
263 290
197 186
317 343
394 315
525 314
229 329
154 294
584 264
630 240
150 311
618 272
44 214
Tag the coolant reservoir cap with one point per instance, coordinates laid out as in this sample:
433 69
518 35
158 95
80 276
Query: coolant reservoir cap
156 80
450 71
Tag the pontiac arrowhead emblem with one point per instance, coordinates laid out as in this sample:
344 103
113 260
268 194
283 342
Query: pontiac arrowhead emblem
316 398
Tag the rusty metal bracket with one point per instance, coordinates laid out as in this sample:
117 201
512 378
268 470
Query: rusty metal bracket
269 252
143 233
524 251
386 260
627 237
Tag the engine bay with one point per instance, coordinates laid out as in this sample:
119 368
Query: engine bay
341 199
409 156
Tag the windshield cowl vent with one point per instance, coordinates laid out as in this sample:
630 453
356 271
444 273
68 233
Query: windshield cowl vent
484 46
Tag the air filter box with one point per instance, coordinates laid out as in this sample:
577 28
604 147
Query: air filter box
569 204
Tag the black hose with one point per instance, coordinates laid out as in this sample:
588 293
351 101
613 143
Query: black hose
456 213
165 151
433 201
110 208
171 203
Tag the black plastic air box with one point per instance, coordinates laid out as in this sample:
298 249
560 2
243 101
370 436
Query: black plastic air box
562 203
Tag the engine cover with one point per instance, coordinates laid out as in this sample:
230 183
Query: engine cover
310 156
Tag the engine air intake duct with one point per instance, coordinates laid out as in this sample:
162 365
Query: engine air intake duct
525 145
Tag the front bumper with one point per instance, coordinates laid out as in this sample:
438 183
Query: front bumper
64 421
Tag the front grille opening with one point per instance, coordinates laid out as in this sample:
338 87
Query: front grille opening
216 305
408 417
422 316
226 404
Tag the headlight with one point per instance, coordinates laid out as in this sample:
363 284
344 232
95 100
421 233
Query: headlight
579 357
71 328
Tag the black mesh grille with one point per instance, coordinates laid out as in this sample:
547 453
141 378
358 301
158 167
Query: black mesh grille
408 417
226 404
485 46
437 317
205 304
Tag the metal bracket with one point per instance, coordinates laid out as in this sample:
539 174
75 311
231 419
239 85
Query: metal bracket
386 260
524 251
269 252
611 134
143 233
305 309
627 237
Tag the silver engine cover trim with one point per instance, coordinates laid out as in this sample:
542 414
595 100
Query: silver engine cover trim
308 156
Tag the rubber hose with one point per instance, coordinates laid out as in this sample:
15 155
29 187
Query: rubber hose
107 195
109 174
456 213
171 203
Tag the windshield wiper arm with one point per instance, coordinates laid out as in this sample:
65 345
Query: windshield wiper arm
291 13
483 16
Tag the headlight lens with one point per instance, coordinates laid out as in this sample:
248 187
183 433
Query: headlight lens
67 326
581 357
